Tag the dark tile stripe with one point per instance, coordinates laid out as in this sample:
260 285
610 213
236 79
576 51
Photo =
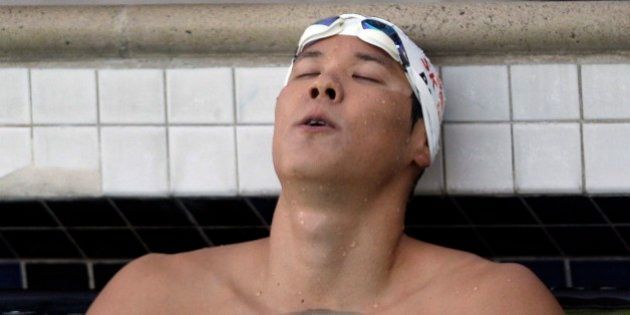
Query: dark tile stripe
57 277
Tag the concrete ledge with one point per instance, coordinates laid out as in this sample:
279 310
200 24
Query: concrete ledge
32 33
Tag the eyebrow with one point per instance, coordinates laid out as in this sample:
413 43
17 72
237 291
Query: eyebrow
309 54
367 57
359 55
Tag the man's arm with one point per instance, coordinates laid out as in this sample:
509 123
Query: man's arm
135 289
511 288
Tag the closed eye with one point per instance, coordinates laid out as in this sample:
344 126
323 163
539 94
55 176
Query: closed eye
309 74
360 77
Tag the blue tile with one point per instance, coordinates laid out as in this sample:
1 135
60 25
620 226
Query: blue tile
518 241
550 272
588 241
601 273
10 277
495 210
57 276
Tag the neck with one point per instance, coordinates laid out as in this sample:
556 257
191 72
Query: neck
334 247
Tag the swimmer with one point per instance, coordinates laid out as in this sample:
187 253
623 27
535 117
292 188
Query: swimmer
356 124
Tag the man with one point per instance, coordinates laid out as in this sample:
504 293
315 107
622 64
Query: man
348 156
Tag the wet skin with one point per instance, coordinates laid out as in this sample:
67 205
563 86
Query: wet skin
337 242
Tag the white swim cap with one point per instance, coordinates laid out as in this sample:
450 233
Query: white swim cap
421 74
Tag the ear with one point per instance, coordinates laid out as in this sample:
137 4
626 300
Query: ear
420 146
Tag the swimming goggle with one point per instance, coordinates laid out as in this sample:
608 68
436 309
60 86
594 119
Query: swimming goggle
375 31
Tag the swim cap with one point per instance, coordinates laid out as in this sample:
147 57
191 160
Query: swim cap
421 74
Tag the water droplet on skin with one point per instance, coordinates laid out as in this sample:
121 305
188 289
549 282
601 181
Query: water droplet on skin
375 305
353 244
475 288
258 293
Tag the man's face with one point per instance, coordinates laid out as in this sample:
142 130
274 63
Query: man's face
364 95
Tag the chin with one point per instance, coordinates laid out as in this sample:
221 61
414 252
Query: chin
305 169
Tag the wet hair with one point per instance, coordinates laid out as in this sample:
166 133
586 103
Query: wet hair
416 110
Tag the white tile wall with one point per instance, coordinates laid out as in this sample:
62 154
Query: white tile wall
606 91
256 92
15 149
476 93
235 158
202 160
134 160
547 158
478 158
256 174
66 147
545 92
63 95
607 157
432 181
131 95
200 95
14 96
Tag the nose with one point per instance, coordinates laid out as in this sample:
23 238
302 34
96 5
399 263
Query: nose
326 87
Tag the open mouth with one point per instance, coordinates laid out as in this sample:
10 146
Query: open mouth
317 122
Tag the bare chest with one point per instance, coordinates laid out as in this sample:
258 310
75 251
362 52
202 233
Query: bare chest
226 301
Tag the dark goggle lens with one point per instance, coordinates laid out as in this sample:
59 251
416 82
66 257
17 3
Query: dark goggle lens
327 21
378 25
391 33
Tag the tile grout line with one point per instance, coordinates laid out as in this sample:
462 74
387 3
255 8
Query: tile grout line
7 245
168 148
472 225
567 273
581 103
126 260
30 101
234 126
510 106
218 124
257 213
192 219
63 229
129 226
23 275
90 270
75 260
442 226
609 223
98 130
542 225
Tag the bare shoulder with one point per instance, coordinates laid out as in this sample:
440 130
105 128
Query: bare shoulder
510 288
463 282
134 288
166 283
